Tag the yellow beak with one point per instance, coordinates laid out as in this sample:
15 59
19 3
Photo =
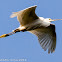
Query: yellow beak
56 19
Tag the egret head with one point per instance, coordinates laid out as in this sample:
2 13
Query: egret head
50 20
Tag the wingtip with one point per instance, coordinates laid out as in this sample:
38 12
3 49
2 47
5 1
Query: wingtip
14 14
51 51
34 6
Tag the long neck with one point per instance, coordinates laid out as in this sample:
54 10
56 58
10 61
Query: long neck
43 22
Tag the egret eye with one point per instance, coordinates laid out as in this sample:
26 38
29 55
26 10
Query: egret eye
49 19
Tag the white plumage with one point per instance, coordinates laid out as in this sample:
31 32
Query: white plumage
41 27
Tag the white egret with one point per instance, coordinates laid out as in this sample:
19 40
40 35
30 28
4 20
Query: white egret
41 27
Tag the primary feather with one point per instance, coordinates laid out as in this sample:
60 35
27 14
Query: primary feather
46 37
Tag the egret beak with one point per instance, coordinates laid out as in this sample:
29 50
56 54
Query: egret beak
56 19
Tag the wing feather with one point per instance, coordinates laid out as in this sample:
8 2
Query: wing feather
46 37
26 16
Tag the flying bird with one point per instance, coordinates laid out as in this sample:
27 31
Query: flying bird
39 26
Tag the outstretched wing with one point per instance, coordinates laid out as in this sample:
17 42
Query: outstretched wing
46 37
26 16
